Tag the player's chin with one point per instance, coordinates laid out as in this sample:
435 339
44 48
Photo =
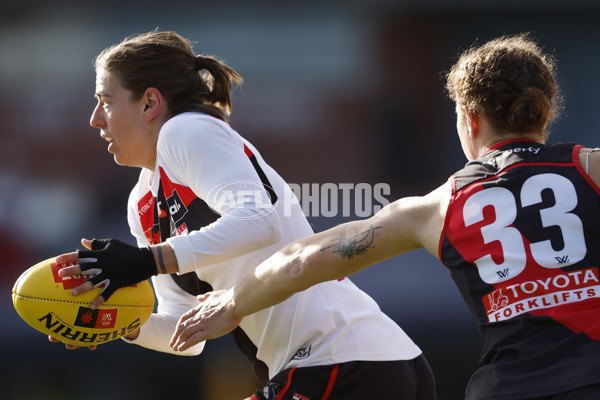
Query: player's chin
119 160
123 161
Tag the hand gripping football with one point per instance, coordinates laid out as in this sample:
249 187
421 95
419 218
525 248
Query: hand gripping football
44 300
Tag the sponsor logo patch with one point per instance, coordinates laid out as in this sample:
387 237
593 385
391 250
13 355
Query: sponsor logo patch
177 208
568 287
98 319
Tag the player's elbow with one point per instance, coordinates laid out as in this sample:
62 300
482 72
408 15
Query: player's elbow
300 268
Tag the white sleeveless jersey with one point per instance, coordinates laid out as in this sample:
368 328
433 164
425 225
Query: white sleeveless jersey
227 212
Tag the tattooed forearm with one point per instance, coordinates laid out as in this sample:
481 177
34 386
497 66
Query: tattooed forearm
355 245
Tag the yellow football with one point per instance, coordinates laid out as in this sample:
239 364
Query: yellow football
44 300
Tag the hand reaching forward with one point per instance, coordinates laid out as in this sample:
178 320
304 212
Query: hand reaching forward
209 320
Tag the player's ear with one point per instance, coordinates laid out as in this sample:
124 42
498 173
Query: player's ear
152 104
472 122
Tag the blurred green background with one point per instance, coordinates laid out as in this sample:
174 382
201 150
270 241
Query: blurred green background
334 92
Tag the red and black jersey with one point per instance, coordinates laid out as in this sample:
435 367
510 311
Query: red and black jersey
522 241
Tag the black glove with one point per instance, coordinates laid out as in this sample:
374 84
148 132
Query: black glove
118 264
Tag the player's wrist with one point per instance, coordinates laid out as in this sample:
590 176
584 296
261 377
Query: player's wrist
164 258
235 305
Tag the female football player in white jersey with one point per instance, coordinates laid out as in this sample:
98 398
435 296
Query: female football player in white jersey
206 210
518 227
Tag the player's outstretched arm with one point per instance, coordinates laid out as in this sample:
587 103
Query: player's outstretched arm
404 225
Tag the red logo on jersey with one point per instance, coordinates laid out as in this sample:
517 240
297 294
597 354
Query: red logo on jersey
181 229
146 215
145 206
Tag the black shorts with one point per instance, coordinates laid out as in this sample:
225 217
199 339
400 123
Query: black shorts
356 380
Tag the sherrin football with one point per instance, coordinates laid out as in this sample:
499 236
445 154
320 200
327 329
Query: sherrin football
44 300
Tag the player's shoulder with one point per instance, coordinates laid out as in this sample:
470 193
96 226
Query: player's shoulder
193 122
192 129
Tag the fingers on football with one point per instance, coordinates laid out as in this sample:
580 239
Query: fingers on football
97 302
69 271
84 287
68 258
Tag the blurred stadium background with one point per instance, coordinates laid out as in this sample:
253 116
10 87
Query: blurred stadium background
335 92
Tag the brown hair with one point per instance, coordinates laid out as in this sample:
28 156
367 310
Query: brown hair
509 81
166 61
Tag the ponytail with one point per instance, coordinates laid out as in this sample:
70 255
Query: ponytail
219 80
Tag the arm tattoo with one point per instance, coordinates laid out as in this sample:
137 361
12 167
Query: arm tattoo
356 245
161 261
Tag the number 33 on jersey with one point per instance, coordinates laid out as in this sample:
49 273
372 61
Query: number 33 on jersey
514 236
